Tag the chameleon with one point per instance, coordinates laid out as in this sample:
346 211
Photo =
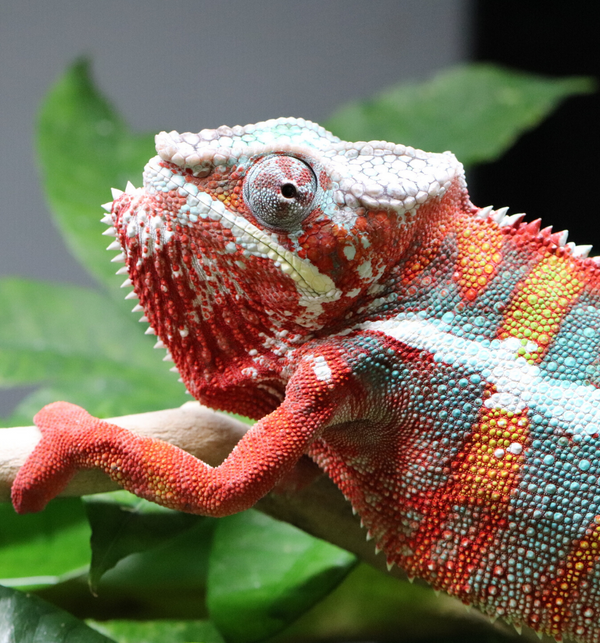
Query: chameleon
438 361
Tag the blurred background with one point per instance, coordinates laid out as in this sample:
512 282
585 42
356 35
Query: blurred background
192 64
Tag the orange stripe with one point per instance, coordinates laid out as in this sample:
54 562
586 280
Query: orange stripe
483 476
420 261
479 255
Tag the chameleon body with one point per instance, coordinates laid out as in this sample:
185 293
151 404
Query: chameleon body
439 361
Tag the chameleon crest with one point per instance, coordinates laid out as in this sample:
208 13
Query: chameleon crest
439 361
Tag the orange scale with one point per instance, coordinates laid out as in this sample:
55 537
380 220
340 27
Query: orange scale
472 254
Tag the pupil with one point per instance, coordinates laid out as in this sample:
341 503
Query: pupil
289 191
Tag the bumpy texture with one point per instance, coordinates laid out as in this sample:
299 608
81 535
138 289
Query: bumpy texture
439 361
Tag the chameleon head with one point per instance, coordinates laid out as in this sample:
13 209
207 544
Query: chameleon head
245 241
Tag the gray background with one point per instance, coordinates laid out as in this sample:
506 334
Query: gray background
190 64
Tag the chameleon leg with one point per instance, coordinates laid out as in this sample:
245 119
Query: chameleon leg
72 439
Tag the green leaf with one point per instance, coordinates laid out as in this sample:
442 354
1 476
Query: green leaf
263 574
39 550
476 111
82 348
25 619
164 581
84 149
123 524
168 580
370 605
165 631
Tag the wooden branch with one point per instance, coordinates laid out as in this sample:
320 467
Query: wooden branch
196 429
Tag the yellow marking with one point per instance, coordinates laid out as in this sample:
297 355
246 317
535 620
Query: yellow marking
541 302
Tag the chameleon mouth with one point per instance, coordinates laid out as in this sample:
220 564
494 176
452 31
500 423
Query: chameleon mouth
249 240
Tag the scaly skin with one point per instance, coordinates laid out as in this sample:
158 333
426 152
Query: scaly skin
440 362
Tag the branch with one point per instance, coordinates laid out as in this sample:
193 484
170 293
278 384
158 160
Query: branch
196 429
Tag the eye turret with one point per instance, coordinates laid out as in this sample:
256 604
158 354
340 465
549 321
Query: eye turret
280 191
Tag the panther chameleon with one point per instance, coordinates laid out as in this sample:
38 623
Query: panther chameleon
439 361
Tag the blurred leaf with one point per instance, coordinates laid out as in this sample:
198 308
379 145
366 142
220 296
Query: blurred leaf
264 574
476 111
40 549
25 618
165 631
165 580
168 580
123 524
370 605
82 348
85 148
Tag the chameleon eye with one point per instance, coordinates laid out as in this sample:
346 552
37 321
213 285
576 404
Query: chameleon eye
280 190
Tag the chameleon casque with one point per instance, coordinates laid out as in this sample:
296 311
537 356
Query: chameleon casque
439 361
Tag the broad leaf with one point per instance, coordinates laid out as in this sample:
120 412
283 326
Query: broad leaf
475 111
38 550
85 148
264 574
370 605
25 619
82 348
164 631
168 580
123 525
